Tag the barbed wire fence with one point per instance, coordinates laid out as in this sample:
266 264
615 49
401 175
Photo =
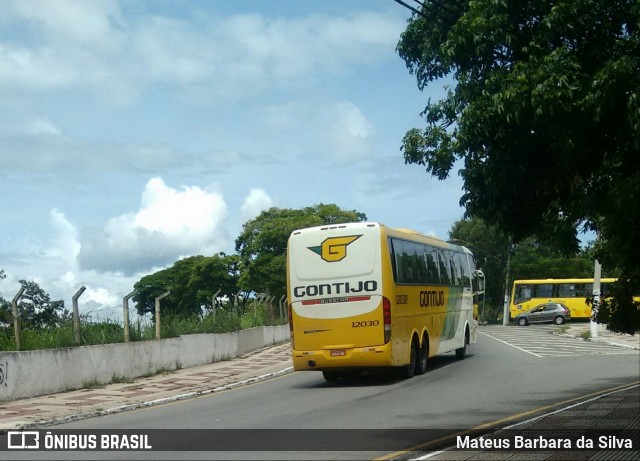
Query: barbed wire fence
112 324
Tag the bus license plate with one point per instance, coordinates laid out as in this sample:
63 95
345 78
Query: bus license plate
338 353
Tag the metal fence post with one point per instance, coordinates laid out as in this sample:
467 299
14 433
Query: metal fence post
281 306
125 314
16 317
163 295
76 315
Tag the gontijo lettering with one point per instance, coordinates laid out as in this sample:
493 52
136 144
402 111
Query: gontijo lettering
431 298
335 288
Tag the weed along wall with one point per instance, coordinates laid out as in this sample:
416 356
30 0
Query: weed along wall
40 372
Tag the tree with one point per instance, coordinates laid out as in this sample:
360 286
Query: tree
192 281
533 260
35 308
529 260
262 245
489 249
214 276
544 116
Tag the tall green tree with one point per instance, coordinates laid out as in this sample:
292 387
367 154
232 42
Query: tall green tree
544 115
489 247
192 281
262 245
35 308
533 260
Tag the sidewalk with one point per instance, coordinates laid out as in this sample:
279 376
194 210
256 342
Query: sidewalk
146 391
580 330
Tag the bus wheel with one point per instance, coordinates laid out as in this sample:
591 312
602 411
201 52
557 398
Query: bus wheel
421 364
462 352
409 370
330 375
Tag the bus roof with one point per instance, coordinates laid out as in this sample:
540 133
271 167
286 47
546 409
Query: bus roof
408 234
540 281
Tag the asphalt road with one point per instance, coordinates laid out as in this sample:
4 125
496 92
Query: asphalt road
496 382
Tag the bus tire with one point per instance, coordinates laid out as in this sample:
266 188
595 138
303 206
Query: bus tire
409 370
423 357
330 375
461 353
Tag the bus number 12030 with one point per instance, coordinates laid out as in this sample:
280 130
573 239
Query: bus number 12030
365 323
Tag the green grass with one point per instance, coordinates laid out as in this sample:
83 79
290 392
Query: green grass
256 314
586 335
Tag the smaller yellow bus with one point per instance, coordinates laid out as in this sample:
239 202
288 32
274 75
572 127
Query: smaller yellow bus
527 294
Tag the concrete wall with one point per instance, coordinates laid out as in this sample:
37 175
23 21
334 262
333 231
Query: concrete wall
33 373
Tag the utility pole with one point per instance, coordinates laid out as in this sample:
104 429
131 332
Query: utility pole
593 325
505 313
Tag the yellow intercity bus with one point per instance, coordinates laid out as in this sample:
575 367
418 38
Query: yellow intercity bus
363 295
527 294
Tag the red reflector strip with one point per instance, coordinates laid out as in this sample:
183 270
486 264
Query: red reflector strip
308 303
347 299
359 298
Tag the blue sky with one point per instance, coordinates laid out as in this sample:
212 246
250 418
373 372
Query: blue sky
134 133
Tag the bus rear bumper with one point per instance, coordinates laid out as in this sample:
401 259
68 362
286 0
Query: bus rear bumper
359 357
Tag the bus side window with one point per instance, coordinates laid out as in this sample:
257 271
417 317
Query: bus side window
544 290
445 268
455 270
463 264
430 257
567 290
588 289
392 255
422 273
523 293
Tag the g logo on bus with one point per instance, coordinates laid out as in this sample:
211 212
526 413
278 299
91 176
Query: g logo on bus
334 249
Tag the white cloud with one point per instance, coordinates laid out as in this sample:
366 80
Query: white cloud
170 223
72 21
350 133
71 44
43 126
256 202
65 245
40 145
76 44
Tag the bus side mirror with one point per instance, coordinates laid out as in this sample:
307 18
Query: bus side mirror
479 275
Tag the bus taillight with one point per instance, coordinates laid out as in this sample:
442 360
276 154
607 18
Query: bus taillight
386 311
386 316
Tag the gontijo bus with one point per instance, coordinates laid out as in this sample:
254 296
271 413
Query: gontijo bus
363 295
527 294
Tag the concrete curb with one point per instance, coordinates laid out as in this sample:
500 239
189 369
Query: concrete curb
599 340
151 403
